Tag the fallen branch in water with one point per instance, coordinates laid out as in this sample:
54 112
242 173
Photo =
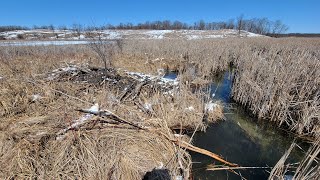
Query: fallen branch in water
203 151
183 144
219 168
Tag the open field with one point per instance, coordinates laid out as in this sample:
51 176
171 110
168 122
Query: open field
277 80
122 34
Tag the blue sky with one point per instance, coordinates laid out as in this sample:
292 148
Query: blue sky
299 15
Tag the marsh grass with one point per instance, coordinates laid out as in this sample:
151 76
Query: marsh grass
277 79
34 109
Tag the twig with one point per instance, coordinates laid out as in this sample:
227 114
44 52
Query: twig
234 168
106 113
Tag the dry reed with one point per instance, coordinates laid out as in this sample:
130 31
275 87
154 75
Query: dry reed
277 79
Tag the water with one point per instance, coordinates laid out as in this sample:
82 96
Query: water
42 43
170 75
239 139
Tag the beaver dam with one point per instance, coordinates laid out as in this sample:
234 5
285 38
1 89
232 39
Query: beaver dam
170 109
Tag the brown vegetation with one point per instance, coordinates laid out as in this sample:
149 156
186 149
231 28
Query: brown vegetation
37 102
277 79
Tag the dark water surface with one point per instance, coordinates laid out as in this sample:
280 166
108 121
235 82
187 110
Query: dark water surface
239 139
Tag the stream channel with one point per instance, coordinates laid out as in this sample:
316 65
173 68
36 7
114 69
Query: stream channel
240 139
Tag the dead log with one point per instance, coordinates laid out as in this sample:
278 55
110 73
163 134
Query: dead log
202 151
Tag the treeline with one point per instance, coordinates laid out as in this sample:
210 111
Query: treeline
12 28
311 35
255 25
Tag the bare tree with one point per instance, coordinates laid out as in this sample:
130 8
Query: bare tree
78 28
105 49
278 27
240 23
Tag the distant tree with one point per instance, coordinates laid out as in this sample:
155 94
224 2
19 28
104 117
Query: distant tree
78 28
263 26
62 27
240 23
202 25
254 25
12 28
177 25
166 24
279 28
230 24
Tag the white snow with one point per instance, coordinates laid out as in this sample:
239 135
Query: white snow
110 34
157 34
94 108
190 37
124 34
210 106
190 108
35 97
83 119
73 38
66 69
142 77
56 72
250 34
148 106
42 43
161 72
200 36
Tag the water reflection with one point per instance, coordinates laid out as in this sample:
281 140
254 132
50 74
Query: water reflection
240 139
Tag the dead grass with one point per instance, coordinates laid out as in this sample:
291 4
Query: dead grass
34 110
277 79
107 153
29 147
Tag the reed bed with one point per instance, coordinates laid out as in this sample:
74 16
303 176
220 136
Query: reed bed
277 79
281 84
30 147
34 109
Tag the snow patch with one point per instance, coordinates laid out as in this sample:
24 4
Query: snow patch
161 80
250 34
210 106
157 34
43 43
148 106
35 97
124 34
190 108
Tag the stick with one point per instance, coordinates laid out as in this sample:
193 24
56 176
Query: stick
111 115
202 151
183 144
234 168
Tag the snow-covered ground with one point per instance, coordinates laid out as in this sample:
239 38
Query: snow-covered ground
41 43
63 37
